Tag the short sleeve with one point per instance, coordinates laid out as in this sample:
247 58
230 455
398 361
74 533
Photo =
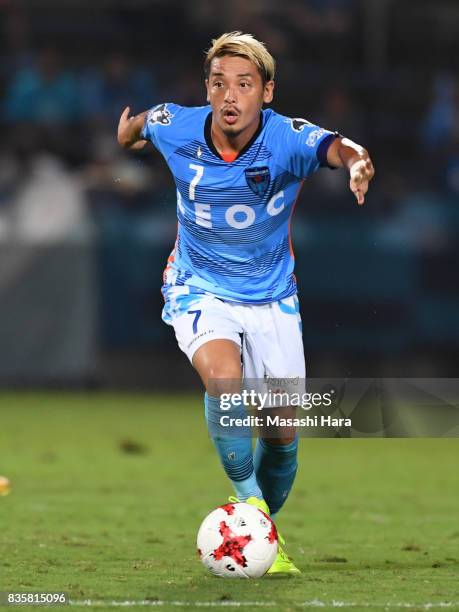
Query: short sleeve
158 127
305 146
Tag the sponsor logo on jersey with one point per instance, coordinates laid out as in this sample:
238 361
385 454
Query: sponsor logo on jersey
314 137
160 115
258 179
298 124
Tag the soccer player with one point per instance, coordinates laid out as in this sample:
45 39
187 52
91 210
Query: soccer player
229 288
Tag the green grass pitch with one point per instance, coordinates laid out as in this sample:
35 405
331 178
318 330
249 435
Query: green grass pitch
108 491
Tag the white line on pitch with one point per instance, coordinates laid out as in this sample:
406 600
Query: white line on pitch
315 603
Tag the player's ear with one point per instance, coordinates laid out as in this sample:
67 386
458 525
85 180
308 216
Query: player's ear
268 92
207 89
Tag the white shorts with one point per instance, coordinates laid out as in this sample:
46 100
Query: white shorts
269 335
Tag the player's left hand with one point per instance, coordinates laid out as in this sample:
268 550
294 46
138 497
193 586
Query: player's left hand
361 172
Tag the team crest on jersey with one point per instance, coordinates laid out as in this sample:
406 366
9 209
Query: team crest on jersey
160 115
298 124
258 179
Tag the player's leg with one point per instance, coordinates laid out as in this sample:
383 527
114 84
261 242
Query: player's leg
275 462
209 334
274 349
218 362
276 466
276 451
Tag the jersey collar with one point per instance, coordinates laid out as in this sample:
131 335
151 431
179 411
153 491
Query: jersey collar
210 144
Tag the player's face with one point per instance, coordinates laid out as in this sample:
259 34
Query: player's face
236 93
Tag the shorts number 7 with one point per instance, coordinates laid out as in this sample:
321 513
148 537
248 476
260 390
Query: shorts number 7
197 314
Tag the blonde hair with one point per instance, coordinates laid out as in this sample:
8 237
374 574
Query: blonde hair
242 45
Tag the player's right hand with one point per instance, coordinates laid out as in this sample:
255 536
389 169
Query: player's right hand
123 125
129 129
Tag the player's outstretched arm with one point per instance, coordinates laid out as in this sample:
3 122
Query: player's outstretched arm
129 129
345 153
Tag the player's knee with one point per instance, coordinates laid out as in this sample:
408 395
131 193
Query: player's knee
224 371
223 378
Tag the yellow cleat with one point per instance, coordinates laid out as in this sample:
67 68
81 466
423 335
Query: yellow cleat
258 503
282 563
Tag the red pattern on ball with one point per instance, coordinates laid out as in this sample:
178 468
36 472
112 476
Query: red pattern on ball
232 545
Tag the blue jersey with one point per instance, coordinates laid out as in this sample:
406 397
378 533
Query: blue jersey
233 238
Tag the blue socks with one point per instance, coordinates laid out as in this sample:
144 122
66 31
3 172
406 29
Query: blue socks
275 467
234 447
269 474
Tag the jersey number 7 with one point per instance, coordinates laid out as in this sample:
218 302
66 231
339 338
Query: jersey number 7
197 314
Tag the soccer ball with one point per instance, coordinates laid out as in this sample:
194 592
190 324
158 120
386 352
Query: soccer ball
237 541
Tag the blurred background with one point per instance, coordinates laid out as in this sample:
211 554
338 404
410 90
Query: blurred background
86 228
